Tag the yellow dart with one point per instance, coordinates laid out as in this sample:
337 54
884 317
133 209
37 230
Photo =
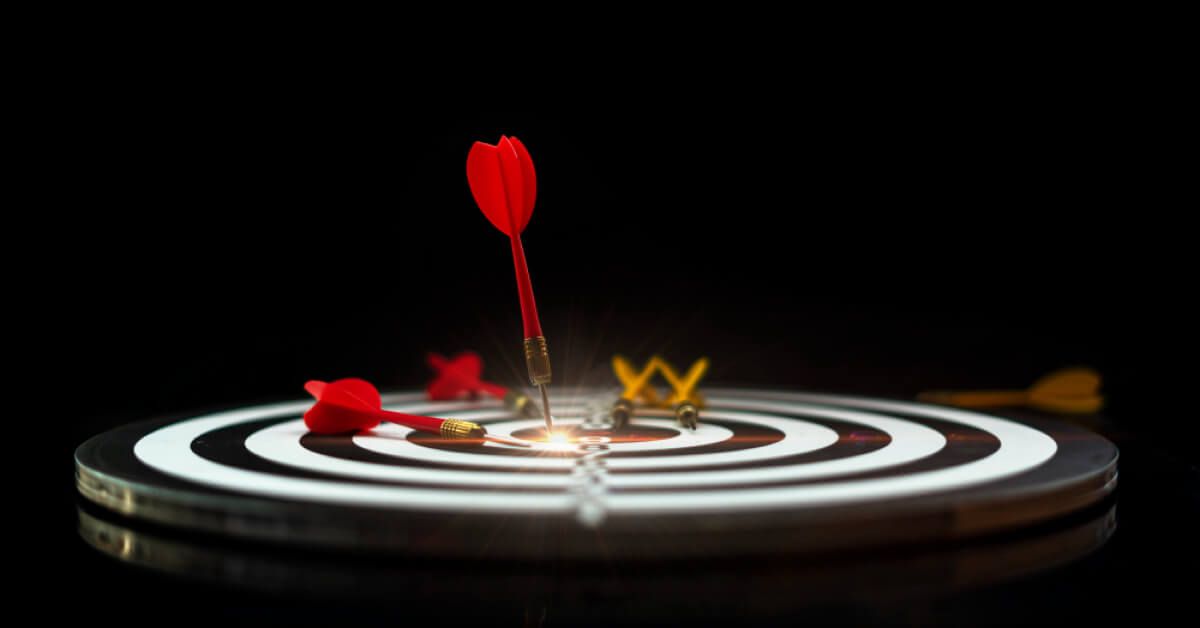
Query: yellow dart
635 384
684 397
1068 391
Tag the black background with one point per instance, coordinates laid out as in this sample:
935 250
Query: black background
236 244
244 249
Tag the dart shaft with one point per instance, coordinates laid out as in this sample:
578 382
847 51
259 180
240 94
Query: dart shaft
413 421
977 399
446 428
537 354
529 314
546 409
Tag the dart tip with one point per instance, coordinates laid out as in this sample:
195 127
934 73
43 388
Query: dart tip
546 409
507 441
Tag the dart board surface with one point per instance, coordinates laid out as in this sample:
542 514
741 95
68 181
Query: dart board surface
766 471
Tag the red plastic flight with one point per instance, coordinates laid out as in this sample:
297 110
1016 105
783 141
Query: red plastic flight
504 184
350 405
460 377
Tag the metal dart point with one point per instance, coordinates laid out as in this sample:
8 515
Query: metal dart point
546 410
506 440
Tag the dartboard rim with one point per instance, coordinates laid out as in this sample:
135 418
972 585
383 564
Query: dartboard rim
949 515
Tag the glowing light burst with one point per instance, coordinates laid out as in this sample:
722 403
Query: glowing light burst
557 441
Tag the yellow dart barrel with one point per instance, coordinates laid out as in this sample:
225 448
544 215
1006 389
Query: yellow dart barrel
537 359
457 428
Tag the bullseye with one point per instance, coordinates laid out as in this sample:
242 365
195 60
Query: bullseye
634 434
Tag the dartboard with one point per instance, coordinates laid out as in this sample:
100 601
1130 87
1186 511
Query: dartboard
764 471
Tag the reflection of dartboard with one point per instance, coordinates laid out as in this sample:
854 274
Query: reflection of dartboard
765 471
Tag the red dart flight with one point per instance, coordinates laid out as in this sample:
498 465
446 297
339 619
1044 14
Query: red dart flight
461 376
505 186
349 405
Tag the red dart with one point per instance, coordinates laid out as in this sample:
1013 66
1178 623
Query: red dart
461 377
350 405
504 185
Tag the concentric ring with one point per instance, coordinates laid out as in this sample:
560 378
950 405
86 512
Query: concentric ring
652 480
800 437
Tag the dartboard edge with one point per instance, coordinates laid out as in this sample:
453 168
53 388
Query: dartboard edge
768 471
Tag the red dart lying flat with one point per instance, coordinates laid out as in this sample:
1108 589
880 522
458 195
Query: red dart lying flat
350 405
461 377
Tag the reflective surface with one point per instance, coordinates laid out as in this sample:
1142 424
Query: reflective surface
1073 572
685 588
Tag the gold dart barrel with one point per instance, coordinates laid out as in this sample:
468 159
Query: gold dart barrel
687 414
537 359
457 428
622 411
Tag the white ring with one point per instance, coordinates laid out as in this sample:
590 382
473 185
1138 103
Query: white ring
909 441
168 449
